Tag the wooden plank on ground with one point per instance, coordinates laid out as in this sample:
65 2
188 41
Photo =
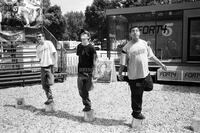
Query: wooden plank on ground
20 63
20 78
18 74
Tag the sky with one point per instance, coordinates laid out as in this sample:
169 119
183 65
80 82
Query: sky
72 5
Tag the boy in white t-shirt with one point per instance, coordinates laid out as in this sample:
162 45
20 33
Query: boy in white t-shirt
47 56
138 52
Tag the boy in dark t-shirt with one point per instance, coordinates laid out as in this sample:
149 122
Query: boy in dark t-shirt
86 66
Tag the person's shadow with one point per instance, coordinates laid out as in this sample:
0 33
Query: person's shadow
66 115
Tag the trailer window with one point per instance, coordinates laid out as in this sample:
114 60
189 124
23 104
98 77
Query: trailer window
194 39
118 34
163 31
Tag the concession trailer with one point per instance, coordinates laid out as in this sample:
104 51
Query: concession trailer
172 31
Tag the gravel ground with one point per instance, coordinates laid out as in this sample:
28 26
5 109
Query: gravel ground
168 109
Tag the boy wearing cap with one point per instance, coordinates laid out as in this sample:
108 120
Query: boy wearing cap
86 64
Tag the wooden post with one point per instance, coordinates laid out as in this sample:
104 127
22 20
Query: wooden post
50 107
89 115
19 102
136 124
196 124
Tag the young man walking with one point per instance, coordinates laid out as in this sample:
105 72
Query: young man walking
47 55
138 52
86 65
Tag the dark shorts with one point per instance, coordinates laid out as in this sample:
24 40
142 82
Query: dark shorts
47 76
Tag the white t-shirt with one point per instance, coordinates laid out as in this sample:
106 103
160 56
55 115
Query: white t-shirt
45 54
138 54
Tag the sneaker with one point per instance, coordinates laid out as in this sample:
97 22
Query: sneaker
49 101
139 116
86 109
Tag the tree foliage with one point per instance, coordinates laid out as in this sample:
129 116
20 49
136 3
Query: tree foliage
75 22
45 5
96 18
54 21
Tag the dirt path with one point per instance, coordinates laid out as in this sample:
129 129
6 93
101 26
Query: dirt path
168 109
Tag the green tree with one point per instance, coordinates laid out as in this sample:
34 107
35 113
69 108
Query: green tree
115 4
55 22
45 5
75 22
95 18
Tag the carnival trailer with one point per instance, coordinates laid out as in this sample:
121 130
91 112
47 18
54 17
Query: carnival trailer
172 31
20 21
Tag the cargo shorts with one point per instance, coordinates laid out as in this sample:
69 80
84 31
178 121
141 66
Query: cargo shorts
47 75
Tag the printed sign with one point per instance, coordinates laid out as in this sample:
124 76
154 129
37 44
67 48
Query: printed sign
178 75
191 76
105 71
168 34
169 75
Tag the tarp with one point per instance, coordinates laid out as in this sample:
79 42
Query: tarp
10 36
28 11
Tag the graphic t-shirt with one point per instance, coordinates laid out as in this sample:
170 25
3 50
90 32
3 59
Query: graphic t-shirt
86 58
45 54
138 54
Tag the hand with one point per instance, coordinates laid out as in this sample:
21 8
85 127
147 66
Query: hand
94 79
164 67
121 78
